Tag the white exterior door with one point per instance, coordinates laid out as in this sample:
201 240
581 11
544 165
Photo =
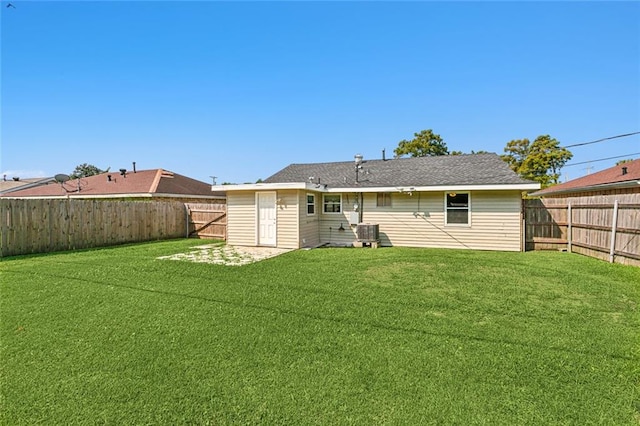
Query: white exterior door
266 218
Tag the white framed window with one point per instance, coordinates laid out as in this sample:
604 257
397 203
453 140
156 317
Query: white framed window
332 203
311 204
383 199
457 211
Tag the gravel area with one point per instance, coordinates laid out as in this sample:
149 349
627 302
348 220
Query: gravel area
222 254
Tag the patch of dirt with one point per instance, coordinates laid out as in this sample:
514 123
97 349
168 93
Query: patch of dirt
222 254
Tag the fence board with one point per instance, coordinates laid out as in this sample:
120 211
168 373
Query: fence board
592 223
47 225
207 220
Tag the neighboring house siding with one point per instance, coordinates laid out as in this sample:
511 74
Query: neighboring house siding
287 219
417 220
241 211
309 224
599 193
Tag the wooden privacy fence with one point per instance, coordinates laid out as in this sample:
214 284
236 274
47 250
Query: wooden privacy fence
207 220
47 225
606 228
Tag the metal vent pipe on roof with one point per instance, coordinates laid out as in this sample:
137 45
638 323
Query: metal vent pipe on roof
134 167
624 170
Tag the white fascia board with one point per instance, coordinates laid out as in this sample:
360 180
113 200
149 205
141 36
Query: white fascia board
262 186
323 188
443 188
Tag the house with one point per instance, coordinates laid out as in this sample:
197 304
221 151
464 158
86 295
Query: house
596 215
466 201
156 184
14 184
618 180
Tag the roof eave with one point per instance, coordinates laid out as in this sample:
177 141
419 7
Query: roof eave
262 186
41 182
399 188
440 188
131 195
605 186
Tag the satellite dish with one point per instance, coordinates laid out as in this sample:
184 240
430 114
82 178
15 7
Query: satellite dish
61 178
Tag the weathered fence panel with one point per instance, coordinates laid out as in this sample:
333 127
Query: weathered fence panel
207 220
545 225
594 228
48 225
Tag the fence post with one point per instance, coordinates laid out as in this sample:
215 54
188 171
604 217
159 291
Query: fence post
569 229
614 225
523 225
188 215
4 227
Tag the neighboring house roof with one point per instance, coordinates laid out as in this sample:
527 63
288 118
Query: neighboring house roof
142 183
480 171
621 176
10 185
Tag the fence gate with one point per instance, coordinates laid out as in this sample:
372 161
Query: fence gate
207 220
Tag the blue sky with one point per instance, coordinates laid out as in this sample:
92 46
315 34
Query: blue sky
239 90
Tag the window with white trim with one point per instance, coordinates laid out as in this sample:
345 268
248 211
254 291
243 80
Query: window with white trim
311 204
332 203
457 208
383 199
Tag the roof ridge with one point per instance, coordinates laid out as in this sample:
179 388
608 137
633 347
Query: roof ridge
364 160
156 181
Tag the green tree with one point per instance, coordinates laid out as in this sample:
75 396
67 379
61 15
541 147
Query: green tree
424 144
472 152
540 160
85 170
516 152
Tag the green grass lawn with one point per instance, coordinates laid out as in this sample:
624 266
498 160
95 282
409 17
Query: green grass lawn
327 336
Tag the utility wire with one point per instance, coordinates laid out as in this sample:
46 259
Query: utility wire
602 140
601 159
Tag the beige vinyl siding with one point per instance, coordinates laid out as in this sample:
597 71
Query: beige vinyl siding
241 218
329 225
418 220
415 220
287 219
309 224
330 231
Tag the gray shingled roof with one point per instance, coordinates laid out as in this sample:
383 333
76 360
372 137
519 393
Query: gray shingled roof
470 169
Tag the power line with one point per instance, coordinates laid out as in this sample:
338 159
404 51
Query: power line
601 159
602 140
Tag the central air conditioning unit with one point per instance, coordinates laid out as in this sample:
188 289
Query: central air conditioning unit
367 232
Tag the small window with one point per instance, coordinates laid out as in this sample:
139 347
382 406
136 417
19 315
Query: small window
384 199
311 204
457 206
332 203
